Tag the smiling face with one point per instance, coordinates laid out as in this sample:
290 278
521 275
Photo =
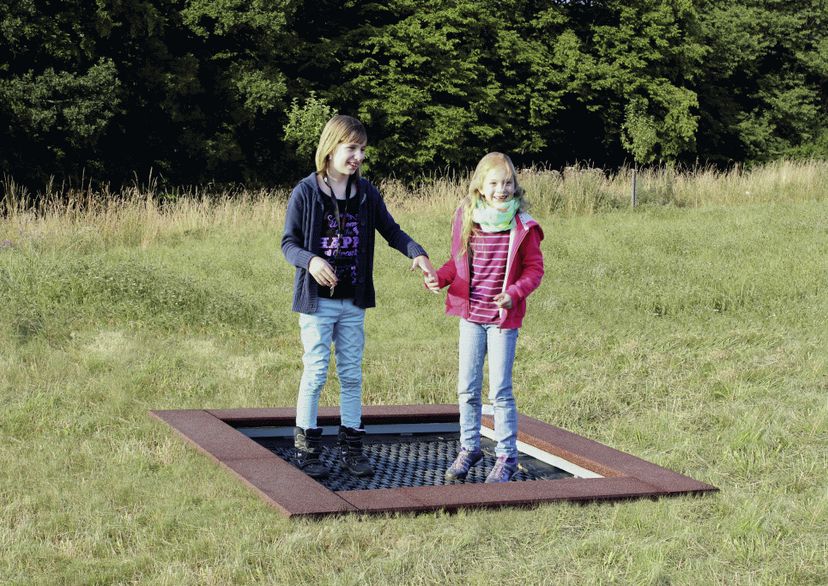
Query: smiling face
341 148
346 158
498 185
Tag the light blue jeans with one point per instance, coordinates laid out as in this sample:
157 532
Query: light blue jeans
343 323
477 340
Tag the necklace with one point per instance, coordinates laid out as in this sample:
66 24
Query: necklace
348 196
340 221
330 187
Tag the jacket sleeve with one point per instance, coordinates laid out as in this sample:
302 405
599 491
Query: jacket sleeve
447 272
293 237
530 260
393 234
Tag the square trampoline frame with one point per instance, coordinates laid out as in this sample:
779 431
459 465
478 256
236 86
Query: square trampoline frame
293 493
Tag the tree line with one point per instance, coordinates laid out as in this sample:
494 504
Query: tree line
235 90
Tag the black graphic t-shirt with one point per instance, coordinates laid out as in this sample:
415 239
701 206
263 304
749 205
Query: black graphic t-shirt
340 248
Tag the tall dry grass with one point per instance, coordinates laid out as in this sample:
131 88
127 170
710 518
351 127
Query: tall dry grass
134 215
140 213
585 190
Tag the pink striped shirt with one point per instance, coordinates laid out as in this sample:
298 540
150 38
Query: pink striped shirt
488 272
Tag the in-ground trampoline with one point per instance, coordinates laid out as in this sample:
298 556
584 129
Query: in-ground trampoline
410 447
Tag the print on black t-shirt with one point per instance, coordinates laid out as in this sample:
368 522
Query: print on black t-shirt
341 250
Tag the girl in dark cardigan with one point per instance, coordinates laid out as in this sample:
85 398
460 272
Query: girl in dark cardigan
330 226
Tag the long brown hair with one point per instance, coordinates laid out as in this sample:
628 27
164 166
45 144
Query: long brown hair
338 129
488 162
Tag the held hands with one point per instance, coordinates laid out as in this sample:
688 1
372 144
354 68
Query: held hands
432 283
429 274
322 272
503 300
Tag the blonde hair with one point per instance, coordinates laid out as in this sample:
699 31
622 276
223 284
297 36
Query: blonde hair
486 164
339 129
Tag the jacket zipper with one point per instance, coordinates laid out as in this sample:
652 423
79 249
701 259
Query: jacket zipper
515 240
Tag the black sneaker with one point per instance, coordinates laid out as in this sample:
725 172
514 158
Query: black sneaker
350 452
307 457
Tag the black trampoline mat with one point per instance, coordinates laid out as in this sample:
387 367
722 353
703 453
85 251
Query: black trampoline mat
411 460
411 446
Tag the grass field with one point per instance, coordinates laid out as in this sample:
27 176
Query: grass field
691 331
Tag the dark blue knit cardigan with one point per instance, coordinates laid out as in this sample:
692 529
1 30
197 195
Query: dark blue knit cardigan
300 240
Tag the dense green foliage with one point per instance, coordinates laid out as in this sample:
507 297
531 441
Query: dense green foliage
200 90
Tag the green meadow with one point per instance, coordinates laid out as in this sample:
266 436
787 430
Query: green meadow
691 331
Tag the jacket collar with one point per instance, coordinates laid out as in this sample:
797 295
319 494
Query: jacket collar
322 197
523 221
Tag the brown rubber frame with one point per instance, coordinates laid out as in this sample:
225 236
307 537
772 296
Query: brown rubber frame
293 493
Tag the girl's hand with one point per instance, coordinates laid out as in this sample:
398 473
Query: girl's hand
432 283
425 265
322 272
503 300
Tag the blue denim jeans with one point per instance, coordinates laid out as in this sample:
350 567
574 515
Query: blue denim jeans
477 340
343 323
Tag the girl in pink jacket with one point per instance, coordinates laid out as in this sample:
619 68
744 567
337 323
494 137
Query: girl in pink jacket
495 263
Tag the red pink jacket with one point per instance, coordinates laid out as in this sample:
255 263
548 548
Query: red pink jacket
524 270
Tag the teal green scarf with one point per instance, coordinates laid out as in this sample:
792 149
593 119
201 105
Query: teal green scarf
496 218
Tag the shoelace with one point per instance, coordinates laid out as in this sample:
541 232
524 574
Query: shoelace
499 468
464 459
355 450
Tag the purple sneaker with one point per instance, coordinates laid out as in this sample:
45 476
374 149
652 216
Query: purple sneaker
503 470
465 460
